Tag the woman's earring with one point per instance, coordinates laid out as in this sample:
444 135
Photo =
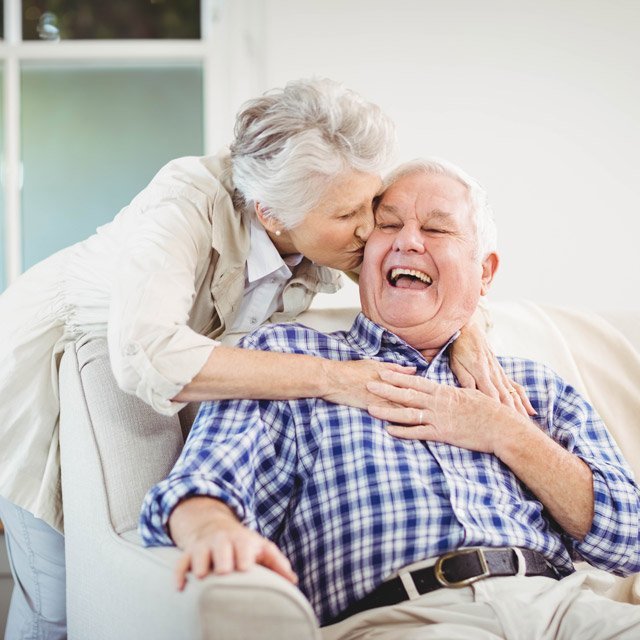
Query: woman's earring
278 232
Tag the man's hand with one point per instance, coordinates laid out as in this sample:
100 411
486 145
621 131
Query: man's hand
214 541
426 410
467 418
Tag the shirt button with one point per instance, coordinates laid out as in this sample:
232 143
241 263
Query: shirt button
131 349
253 320
272 280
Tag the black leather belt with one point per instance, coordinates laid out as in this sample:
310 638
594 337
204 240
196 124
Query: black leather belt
455 570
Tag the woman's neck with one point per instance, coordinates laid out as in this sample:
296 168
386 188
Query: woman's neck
283 243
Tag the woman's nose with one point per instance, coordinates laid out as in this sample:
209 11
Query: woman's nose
365 226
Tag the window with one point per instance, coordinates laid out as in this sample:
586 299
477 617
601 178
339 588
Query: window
97 96
112 20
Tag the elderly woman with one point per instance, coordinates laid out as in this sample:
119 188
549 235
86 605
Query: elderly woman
213 245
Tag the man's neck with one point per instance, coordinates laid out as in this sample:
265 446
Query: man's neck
430 354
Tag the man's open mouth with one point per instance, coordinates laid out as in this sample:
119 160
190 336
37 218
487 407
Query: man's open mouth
408 278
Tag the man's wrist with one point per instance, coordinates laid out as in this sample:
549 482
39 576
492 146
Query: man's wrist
194 513
515 434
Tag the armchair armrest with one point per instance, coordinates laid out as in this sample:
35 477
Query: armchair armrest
144 602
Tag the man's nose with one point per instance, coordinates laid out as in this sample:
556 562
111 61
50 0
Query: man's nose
409 238
365 226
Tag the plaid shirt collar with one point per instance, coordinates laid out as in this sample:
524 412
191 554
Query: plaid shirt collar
370 339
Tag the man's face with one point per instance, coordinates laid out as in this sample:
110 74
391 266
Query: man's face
421 277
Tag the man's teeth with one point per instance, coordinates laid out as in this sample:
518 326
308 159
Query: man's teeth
420 275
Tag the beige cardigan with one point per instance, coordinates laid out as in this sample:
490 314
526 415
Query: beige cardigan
164 279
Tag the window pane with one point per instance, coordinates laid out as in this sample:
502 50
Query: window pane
93 138
111 19
3 250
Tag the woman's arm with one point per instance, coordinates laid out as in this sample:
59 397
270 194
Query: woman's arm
232 372
152 350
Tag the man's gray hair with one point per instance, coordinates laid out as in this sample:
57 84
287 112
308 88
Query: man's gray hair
487 235
291 143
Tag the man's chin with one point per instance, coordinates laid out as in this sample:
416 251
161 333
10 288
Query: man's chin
408 308
400 310
397 321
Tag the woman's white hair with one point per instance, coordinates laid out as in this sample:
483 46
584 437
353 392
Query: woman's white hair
486 231
291 143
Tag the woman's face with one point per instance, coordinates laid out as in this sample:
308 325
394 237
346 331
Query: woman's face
333 234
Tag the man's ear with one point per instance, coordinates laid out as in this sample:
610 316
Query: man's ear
266 219
489 268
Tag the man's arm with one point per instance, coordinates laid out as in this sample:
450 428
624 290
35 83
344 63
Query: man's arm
560 480
213 539
578 475
469 419
207 505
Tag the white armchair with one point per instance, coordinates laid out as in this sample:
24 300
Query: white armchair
114 447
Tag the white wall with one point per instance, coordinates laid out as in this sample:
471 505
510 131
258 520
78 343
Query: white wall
538 100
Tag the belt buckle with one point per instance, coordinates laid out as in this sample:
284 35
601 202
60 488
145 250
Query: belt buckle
458 584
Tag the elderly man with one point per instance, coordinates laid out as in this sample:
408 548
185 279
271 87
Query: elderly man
439 513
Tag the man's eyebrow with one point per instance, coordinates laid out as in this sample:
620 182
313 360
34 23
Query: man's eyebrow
387 208
434 213
439 213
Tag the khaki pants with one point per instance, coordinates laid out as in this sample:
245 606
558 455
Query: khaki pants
513 608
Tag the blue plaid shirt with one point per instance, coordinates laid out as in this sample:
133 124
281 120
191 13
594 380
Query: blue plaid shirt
349 505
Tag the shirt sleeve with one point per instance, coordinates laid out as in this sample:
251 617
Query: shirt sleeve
230 441
613 540
153 351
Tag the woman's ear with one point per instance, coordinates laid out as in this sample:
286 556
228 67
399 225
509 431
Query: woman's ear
267 220
489 268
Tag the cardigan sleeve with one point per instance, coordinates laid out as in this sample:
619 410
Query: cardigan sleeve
153 351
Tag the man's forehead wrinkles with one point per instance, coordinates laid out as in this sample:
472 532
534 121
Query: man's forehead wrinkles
389 208
400 203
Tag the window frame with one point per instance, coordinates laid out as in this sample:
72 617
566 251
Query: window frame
232 69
